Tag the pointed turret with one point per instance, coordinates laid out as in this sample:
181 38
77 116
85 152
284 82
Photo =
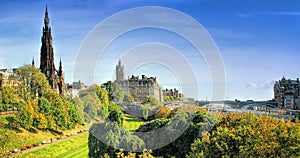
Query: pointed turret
60 71
61 79
32 63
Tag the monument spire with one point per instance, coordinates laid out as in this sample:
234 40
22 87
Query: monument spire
47 54
46 19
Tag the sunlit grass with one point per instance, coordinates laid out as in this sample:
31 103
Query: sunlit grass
73 147
131 123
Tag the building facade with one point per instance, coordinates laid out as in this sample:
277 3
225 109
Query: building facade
55 77
172 93
139 88
8 78
287 93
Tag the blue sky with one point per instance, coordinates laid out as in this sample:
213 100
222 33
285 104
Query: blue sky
258 39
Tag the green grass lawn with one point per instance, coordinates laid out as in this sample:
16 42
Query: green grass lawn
76 146
73 147
131 123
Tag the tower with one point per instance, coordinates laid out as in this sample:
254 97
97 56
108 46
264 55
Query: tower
54 77
47 56
61 79
120 72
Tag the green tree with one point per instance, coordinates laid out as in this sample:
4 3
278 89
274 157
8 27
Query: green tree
89 108
153 101
8 98
115 92
128 99
115 114
25 114
106 139
45 106
103 98
34 82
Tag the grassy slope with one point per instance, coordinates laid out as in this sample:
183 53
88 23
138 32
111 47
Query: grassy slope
76 146
22 137
131 123
73 147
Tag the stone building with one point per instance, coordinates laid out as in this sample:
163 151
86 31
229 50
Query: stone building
55 77
8 78
138 87
75 88
287 93
172 93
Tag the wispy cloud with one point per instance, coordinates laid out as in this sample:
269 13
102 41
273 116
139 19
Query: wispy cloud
19 18
245 15
263 85
292 13
271 13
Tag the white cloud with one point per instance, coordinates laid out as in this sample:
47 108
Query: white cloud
258 14
292 13
245 15
251 85
263 85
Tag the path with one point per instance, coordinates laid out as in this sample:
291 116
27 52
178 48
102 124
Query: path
48 143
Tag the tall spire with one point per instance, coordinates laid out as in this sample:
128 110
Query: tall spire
60 72
47 54
119 62
32 63
46 19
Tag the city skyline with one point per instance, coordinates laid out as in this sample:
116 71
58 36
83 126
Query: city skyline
257 40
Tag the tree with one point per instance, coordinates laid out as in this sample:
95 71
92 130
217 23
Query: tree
115 92
152 101
45 106
128 99
103 98
163 112
25 114
249 135
107 138
116 115
34 82
8 98
89 108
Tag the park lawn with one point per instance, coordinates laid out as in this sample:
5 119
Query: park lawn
76 146
17 138
131 123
